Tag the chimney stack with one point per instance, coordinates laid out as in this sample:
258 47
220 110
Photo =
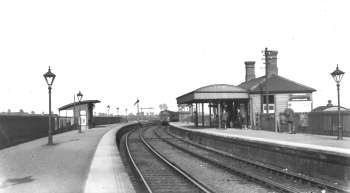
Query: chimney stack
249 70
271 63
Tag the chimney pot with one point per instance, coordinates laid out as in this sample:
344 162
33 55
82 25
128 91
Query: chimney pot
271 62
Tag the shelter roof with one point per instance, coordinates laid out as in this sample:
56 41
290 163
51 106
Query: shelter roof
213 92
71 105
275 84
218 88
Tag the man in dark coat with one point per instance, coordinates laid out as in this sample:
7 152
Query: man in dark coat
289 113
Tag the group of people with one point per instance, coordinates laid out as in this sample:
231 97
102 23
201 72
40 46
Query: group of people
236 119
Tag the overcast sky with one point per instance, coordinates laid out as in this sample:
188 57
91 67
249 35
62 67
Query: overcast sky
116 51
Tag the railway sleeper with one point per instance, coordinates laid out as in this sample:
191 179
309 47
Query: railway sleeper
248 175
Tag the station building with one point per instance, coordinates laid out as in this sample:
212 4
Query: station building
258 102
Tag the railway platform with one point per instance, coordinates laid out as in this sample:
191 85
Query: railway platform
319 143
77 162
322 158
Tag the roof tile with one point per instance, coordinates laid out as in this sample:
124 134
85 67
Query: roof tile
275 84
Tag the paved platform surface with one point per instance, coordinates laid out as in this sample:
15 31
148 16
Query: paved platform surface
322 143
107 172
35 167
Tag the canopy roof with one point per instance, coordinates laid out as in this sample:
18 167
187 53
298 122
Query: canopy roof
212 93
71 105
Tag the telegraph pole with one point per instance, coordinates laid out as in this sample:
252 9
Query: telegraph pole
266 92
138 112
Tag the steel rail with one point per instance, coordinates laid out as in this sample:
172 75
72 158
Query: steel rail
176 168
304 178
149 190
265 181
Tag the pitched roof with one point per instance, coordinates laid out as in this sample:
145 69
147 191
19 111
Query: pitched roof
71 105
275 84
251 84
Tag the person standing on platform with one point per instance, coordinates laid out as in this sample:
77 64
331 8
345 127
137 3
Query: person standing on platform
225 118
289 113
239 118
243 118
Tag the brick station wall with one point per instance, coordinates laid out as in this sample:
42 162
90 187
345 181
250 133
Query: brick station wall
300 160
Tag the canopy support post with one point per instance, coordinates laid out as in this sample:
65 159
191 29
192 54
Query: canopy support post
209 115
202 114
219 113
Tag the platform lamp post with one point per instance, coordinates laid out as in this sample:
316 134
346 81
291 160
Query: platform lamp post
117 111
126 114
108 107
337 76
49 77
80 96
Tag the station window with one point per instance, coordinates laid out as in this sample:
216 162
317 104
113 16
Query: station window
271 104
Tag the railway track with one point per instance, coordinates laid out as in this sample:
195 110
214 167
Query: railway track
280 180
156 172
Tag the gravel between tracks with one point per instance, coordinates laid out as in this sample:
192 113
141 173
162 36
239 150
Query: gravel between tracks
217 178
158 175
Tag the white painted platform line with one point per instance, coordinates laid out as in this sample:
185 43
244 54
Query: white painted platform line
107 173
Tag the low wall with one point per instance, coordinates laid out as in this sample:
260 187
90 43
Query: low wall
300 160
321 123
105 120
326 123
15 129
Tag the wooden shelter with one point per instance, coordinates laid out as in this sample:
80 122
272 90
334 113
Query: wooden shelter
82 112
223 101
